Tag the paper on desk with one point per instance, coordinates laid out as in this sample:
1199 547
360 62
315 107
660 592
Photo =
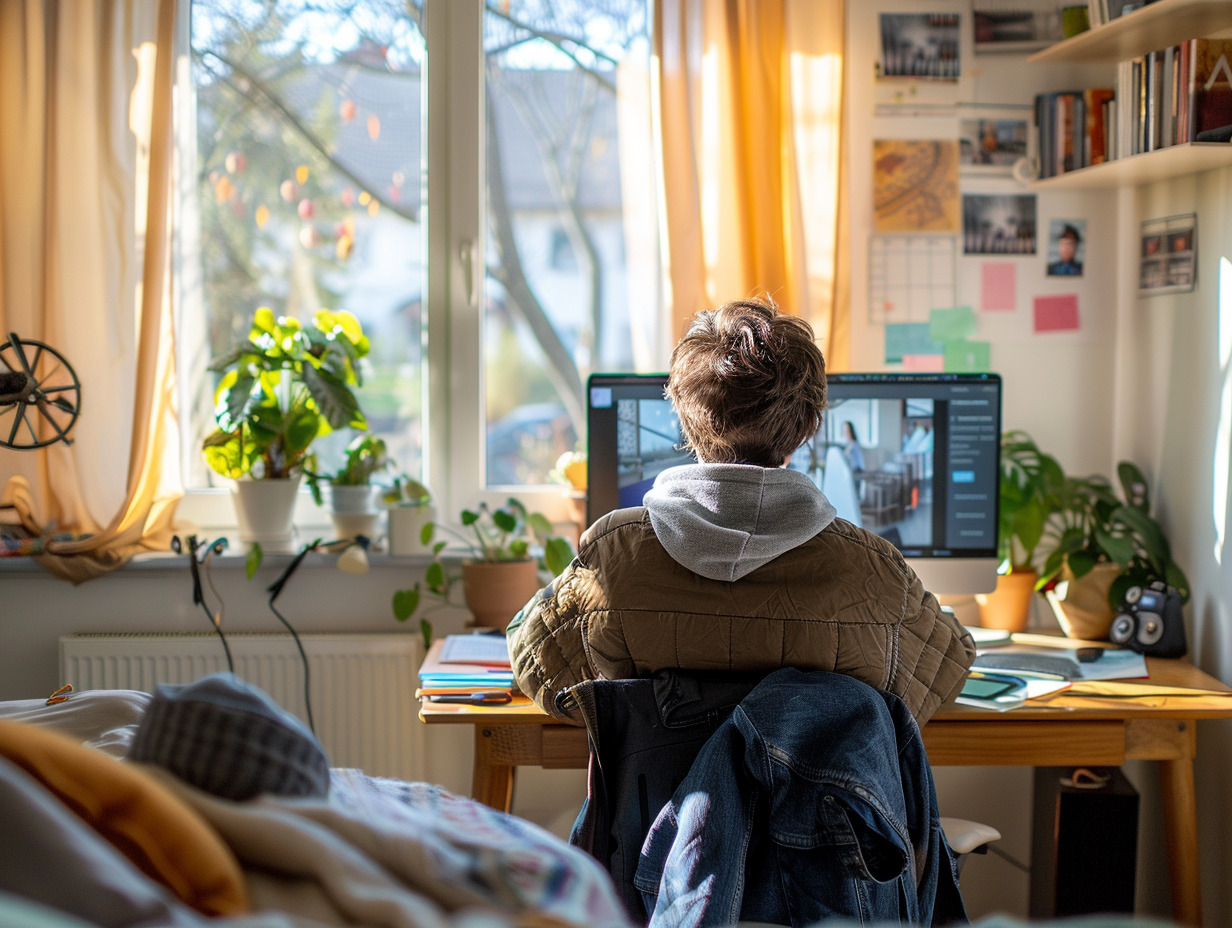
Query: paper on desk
1113 664
1035 687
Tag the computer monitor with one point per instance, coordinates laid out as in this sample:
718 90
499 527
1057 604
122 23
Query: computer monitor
923 471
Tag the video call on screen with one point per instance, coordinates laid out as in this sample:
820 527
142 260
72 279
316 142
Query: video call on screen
913 460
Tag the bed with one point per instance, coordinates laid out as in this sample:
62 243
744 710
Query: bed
179 837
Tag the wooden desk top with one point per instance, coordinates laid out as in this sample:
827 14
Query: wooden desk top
1174 689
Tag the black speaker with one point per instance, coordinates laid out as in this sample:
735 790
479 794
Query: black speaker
1084 842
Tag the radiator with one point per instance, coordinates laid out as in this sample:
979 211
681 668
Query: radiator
362 686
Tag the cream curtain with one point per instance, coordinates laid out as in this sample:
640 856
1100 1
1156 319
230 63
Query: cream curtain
749 111
85 176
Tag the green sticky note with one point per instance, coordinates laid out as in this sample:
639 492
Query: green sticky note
902 338
967 357
950 325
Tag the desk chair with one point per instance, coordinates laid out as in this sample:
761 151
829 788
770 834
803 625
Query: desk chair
644 737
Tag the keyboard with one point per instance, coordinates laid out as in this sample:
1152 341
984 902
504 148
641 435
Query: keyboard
1060 664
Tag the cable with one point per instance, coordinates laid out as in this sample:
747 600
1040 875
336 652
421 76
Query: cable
198 596
274 589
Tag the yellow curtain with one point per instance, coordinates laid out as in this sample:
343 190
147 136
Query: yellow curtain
85 186
749 115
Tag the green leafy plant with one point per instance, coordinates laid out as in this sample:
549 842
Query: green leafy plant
1091 525
488 535
1031 481
282 388
407 491
366 456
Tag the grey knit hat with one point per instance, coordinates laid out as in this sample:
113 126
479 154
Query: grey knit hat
229 738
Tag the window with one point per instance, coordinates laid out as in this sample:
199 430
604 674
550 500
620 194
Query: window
341 160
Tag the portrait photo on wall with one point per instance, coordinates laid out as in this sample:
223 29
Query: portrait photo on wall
921 46
1015 25
1168 255
991 141
1066 247
998 224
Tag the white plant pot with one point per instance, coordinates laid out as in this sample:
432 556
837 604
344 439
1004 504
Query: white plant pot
353 510
405 525
264 510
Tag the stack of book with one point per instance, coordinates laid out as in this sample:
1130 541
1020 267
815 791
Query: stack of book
1169 97
469 669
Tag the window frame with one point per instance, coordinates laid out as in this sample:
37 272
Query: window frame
454 243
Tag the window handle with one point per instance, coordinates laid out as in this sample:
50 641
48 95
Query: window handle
466 254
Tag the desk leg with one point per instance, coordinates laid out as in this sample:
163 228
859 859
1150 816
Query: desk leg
491 781
1176 778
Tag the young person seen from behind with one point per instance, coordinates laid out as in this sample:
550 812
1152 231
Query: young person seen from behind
736 562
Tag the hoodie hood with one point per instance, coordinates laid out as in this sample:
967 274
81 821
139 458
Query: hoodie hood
725 520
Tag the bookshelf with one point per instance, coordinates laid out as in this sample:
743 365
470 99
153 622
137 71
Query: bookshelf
1162 23
1161 164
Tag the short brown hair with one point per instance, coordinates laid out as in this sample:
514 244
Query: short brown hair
749 384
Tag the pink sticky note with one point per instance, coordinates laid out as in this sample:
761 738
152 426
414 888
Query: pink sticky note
1056 313
931 363
999 285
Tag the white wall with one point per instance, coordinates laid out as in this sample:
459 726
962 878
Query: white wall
1142 379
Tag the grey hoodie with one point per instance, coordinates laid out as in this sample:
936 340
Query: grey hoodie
723 521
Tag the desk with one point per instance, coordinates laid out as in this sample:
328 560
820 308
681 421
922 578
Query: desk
1100 724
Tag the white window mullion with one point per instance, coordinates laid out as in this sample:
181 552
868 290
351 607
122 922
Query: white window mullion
453 192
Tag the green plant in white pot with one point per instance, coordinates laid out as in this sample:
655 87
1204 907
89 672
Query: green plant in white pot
283 387
409 512
351 490
501 569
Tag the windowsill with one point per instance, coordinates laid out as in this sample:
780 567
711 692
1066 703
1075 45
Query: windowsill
232 559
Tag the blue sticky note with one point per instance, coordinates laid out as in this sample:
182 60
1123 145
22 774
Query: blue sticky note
902 338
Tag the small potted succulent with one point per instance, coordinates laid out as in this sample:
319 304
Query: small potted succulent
502 570
350 491
287 384
409 511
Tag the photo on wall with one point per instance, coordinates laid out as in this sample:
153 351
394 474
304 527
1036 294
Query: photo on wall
992 141
1066 247
999 224
1168 255
921 46
1015 25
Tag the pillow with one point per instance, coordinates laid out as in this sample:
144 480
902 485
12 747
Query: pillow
165 838
229 738
103 719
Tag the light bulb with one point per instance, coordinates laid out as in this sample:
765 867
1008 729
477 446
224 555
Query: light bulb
354 560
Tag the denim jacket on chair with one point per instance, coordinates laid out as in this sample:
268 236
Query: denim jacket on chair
814 799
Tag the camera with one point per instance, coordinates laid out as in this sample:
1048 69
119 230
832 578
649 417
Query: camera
1149 621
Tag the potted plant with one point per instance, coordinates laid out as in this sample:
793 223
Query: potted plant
281 388
410 510
1101 545
350 490
571 471
1031 481
500 571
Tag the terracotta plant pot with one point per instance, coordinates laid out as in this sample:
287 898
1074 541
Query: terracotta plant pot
1009 605
496 591
1081 606
264 510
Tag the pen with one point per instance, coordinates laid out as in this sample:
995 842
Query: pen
474 699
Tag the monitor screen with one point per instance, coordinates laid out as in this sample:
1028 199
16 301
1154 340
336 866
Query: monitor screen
914 458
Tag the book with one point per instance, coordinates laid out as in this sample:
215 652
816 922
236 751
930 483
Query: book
448 670
1209 85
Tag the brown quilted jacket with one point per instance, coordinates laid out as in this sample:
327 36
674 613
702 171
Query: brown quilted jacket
844 601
